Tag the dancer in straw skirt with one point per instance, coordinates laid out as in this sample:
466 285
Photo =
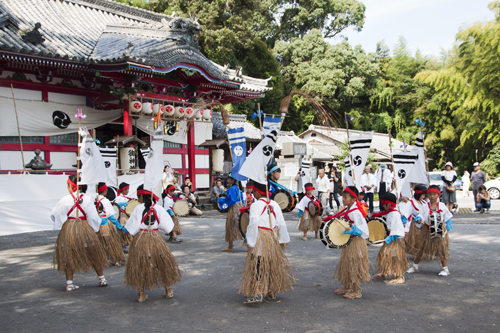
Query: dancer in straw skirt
107 234
150 262
168 204
391 259
122 201
353 264
77 247
434 215
409 211
267 270
233 201
307 222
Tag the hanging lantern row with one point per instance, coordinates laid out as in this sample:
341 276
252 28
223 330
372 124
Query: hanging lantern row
168 110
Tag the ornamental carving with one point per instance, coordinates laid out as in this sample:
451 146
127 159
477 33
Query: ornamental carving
34 36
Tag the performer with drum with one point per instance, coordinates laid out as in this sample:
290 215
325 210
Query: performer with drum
391 259
168 204
249 197
311 220
434 238
107 234
77 247
267 270
122 201
232 202
353 265
273 175
150 262
409 210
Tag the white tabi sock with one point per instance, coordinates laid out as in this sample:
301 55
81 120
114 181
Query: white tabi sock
69 281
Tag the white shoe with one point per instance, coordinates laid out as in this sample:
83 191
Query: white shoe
412 269
444 272
103 282
72 287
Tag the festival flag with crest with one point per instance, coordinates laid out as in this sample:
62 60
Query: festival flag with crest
109 157
154 161
237 141
93 170
404 162
257 161
305 172
360 147
348 171
419 174
269 124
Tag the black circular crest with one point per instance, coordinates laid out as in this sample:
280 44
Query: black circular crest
357 160
401 174
107 164
60 119
267 150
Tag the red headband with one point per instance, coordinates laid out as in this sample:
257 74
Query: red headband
73 185
310 188
102 188
170 188
124 188
257 190
418 191
347 189
388 202
146 192
433 190
358 204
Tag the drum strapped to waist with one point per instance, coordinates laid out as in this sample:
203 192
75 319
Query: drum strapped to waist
243 223
116 208
377 229
284 199
436 225
220 208
131 206
315 208
332 234
181 208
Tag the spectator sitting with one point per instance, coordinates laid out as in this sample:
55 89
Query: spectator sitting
187 182
483 200
217 190
178 190
189 197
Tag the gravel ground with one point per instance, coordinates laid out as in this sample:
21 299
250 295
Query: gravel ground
207 299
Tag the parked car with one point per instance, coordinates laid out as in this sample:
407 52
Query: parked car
435 179
493 187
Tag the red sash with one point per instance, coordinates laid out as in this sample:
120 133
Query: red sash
151 210
76 205
97 207
268 204
314 200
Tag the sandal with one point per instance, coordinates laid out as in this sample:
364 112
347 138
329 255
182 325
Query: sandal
103 282
140 300
169 295
304 238
396 281
353 295
227 250
72 287
271 296
255 299
342 291
117 264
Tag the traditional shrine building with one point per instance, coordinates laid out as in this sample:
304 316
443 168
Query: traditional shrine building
118 63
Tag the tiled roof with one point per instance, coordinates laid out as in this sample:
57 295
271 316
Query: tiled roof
106 31
219 130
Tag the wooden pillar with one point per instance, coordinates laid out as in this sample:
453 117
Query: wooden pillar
127 120
191 150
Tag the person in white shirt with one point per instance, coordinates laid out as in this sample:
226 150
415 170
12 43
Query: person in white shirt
369 183
391 259
150 262
449 176
323 187
77 247
190 198
168 177
267 270
384 182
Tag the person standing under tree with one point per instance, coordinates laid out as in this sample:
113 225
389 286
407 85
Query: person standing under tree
384 182
478 178
368 183
466 183
449 176
323 187
334 187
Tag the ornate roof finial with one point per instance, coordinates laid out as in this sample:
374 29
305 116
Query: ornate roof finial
34 36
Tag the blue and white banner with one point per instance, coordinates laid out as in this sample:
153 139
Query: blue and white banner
270 123
238 145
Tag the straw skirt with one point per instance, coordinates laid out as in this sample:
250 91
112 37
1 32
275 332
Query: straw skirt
353 264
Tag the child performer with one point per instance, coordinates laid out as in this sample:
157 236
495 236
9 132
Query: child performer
353 264
168 204
409 211
122 201
233 201
249 197
308 222
107 234
274 175
361 199
267 270
77 247
150 262
433 214
391 259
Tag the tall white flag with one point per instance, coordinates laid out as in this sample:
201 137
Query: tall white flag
93 170
305 173
348 171
360 147
258 159
153 172
109 156
403 165
419 172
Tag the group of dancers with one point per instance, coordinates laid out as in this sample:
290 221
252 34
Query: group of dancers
92 235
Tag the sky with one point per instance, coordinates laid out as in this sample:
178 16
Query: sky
427 25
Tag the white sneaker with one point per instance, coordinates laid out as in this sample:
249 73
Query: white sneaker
444 272
103 282
412 269
72 287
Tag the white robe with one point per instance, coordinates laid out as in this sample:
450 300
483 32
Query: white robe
122 199
134 224
394 224
107 208
425 213
259 219
302 205
359 221
59 213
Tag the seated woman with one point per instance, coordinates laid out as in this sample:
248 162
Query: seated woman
483 200
189 197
